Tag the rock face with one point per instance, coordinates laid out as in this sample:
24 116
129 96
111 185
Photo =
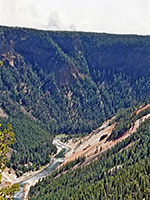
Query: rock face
8 177
26 190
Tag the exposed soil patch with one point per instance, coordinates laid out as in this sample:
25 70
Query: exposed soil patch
2 114
93 145
144 108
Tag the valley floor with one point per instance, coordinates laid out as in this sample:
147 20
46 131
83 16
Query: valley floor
9 176
90 147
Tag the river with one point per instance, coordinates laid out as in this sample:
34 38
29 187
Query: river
42 174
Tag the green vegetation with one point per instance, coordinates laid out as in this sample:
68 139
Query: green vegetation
32 148
102 178
72 82
6 139
1 63
69 166
127 183
61 154
66 83
126 118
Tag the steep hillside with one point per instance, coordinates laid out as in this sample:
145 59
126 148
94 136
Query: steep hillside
67 82
113 131
121 172
72 81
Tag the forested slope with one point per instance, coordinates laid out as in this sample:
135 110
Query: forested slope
68 82
72 81
121 172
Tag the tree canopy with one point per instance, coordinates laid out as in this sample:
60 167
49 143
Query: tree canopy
7 138
1 63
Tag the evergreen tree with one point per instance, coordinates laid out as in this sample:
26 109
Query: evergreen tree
7 138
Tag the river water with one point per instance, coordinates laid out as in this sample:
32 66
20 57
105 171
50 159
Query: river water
42 174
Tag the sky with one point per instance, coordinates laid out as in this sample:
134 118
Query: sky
110 16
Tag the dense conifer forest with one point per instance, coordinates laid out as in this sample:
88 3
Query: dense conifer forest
66 82
119 173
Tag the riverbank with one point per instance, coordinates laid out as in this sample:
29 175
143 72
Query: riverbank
32 178
9 176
